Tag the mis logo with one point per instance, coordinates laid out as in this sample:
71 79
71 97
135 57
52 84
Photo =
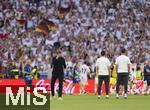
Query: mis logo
15 97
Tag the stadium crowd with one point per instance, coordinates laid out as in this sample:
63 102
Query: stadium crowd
83 31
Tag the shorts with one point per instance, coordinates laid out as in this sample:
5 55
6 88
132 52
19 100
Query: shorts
83 80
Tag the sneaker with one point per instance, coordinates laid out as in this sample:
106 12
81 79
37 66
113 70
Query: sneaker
117 96
60 98
52 97
125 96
107 96
99 97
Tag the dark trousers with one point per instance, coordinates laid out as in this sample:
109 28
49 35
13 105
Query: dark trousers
147 78
106 80
122 79
60 79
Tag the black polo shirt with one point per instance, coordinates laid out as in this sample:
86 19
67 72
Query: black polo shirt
58 66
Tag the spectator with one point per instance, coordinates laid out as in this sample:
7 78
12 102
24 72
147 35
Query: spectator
81 31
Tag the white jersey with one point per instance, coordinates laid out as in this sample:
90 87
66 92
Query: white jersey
122 61
103 63
84 70
83 75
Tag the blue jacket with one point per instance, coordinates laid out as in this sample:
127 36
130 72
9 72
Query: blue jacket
27 68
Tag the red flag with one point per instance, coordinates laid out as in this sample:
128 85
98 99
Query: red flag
20 22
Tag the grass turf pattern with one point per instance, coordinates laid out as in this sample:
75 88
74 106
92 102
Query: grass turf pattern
91 102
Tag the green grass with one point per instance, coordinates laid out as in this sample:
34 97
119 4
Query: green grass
87 102
90 102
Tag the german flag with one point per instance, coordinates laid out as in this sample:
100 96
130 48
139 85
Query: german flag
20 22
51 25
62 11
42 29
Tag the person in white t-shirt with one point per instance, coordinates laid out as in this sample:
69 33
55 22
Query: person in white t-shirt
83 77
123 70
103 73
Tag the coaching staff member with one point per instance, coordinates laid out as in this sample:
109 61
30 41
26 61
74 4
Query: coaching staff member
103 73
123 70
58 65
147 76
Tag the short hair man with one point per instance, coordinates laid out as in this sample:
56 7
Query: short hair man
123 70
58 65
103 73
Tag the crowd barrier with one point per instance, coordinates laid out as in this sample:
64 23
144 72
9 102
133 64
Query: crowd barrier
16 83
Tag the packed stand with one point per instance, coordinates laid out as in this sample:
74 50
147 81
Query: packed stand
83 28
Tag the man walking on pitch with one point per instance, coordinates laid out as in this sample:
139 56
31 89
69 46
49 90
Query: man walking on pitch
123 70
58 65
103 73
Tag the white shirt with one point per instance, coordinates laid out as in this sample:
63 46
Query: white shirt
29 23
122 61
103 63
84 70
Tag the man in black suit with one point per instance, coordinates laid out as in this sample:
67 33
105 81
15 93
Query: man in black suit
58 65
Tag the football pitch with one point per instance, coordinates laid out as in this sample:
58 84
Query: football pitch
90 102
87 102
